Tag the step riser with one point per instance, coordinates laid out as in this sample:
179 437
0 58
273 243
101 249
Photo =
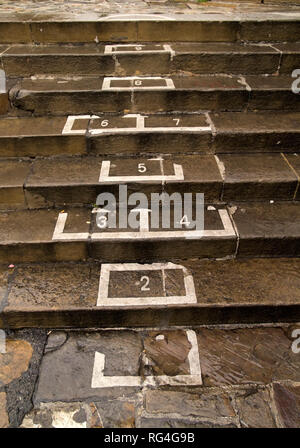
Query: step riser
153 101
151 64
148 318
144 144
150 31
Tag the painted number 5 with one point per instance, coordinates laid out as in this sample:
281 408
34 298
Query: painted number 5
142 168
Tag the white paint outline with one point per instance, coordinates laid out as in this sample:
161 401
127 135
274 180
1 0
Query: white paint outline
105 300
228 231
105 178
140 126
135 17
67 130
111 49
107 81
192 379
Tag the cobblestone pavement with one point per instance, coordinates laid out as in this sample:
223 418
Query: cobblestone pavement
93 9
247 377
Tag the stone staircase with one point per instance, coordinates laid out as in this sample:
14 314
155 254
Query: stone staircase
159 106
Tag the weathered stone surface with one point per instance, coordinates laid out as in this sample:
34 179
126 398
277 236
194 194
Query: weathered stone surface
250 177
242 356
3 413
15 361
55 285
117 413
267 229
39 136
167 353
294 162
12 179
253 408
66 373
258 131
19 370
287 399
63 415
202 404
4 103
172 422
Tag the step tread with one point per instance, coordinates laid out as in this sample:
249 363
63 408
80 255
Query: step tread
64 293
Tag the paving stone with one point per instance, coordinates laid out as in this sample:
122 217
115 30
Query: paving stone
246 356
117 413
287 400
26 136
66 373
171 422
267 229
4 423
250 177
19 368
253 408
203 404
258 132
63 415
13 175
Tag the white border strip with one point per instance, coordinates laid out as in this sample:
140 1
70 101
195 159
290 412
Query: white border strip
192 379
107 81
107 179
228 231
106 269
111 49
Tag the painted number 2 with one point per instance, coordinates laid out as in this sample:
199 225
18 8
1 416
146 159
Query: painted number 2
145 286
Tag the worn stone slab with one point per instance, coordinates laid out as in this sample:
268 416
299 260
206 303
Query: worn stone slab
272 93
290 56
287 400
19 367
256 132
246 356
85 96
283 31
294 161
27 60
259 176
63 415
117 413
76 181
254 408
66 372
12 179
227 291
27 236
267 229
41 136
201 404
143 142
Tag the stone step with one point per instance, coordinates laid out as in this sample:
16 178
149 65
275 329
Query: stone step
190 292
253 229
76 181
201 27
86 95
113 135
150 59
